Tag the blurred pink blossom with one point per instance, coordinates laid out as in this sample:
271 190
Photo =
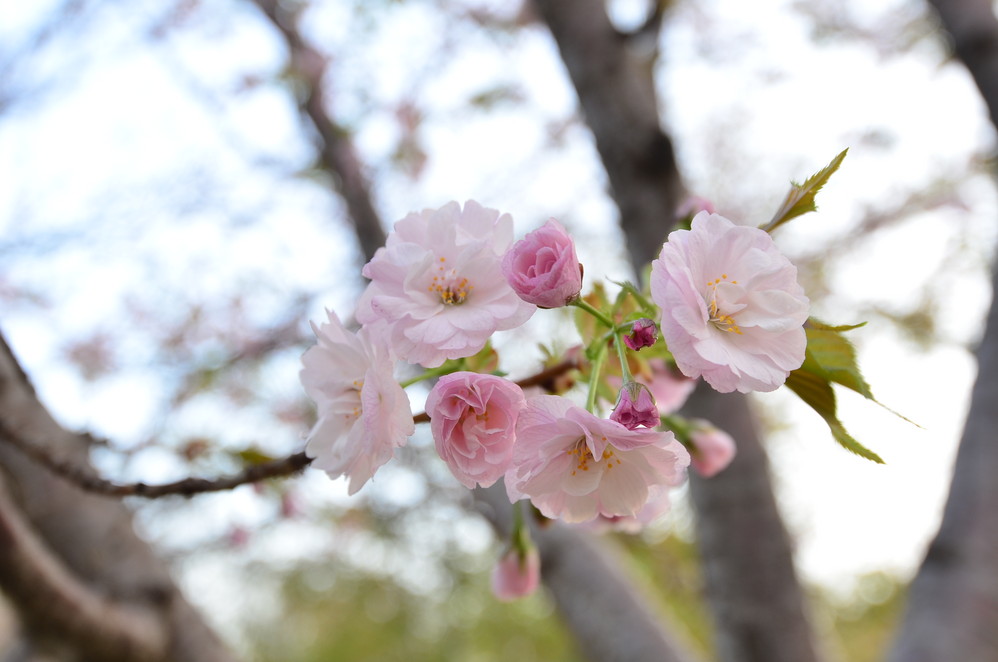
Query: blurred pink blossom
732 310
576 466
543 268
517 574
635 407
364 414
473 420
669 387
713 449
438 284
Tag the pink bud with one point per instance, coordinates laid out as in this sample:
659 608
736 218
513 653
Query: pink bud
542 268
635 407
517 574
643 333
713 449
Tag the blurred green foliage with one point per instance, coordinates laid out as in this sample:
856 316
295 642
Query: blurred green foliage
341 613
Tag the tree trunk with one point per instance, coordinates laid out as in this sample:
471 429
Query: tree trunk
96 589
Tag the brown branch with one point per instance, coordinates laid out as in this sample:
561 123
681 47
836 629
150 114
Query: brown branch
336 149
283 467
53 599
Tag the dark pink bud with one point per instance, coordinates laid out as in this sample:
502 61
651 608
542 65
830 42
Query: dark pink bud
643 333
635 407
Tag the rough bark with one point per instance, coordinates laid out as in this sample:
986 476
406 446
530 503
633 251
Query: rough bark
86 545
757 601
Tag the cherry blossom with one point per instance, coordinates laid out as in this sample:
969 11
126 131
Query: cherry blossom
438 284
364 414
732 310
473 421
543 268
575 466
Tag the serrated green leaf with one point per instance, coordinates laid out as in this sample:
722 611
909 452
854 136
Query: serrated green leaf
836 356
800 199
816 390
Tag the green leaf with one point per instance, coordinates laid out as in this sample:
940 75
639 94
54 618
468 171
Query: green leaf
835 355
800 199
815 389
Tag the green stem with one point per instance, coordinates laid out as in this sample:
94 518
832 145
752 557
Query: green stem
625 369
597 366
598 314
680 427
446 369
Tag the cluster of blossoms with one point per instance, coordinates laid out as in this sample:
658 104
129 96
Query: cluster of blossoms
726 301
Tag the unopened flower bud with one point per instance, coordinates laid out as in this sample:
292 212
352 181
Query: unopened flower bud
643 334
517 574
713 449
635 407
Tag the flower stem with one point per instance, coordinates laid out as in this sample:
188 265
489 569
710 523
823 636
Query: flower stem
598 314
625 370
597 366
680 427
445 369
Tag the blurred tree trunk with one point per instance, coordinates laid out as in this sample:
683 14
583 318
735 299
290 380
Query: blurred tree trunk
952 612
85 586
759 609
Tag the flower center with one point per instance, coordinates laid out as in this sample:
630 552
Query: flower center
718 317
449 285
353 391
584 456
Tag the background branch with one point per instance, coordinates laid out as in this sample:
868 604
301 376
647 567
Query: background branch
53 600
952 611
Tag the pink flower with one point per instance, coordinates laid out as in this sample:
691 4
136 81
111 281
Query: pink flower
364 414
643 334
635 407
438 284
732 310
713 449
575 466
473 420
517 574
542 267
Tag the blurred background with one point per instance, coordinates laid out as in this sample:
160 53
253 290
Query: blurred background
169 222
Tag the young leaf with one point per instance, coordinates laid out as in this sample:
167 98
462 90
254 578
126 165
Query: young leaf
835 354
814 388
800 199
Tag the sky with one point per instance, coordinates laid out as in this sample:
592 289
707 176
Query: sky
172 168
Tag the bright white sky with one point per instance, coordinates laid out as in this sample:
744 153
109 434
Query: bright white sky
751 101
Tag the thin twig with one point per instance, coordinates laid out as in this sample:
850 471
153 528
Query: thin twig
279 468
